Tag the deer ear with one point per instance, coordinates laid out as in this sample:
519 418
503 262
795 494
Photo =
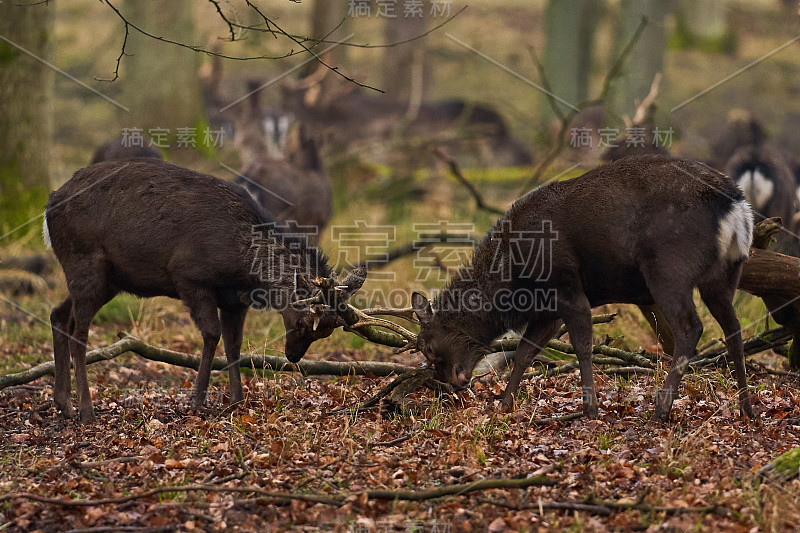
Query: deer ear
422 307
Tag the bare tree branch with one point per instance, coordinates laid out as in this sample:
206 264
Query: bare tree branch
224 18
119 57
269 27
456 171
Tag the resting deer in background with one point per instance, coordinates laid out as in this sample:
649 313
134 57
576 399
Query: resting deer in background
642 230
118 149
351 116
765 175
290 182
767 180
150 228
743 128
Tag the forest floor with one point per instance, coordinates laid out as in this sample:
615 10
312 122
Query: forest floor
220 470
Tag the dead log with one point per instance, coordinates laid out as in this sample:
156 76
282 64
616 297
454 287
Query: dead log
775 278
162 355
782 469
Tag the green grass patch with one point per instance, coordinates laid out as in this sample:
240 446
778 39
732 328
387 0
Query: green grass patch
123 309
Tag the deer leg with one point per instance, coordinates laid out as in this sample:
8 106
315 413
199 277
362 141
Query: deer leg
535 338
83 312
676 303
203 309
61 322
718 300
232 328
577 315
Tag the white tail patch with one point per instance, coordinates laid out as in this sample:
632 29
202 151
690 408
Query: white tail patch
46 233
756 187
735 234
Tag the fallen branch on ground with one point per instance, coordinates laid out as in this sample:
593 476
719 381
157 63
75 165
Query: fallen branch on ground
767 340
400 387
327 499
163 355
783 468
606 507
562 418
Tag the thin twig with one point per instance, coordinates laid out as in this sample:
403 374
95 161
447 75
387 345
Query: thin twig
562 418
456 171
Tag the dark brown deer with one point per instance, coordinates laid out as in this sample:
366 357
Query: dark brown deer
288 179
742 129
642 230
118 149
154 229
350 116
765 175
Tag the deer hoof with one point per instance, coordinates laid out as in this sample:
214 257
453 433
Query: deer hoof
661 414
66 410
507 402
87 416
591 412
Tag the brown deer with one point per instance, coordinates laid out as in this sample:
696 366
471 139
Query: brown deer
766 176
350 116
151 228
643 230
643 123
288 180
743 128
117 149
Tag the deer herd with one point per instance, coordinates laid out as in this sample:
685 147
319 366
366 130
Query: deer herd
640 229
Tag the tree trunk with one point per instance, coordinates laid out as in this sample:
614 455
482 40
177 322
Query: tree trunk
647 56
569 33
161 84
26 115
406 68
325 17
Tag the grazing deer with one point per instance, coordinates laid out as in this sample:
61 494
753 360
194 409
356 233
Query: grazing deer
117 149
290 183
766 177
742 129
150 228
351 116
642 230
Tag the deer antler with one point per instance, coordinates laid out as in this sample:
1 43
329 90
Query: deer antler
645 109
310 80
367 320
